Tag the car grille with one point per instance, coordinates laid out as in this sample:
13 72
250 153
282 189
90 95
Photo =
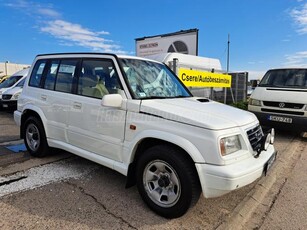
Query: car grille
283 105
254 136
6 97
283 112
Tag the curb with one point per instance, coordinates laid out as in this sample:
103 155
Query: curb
243 212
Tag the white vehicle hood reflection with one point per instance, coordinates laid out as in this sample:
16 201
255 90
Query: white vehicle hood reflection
209 115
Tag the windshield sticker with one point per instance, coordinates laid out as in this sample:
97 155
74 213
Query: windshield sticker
142 94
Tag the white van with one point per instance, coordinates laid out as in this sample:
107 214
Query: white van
135 116
280 100
14 81
10 96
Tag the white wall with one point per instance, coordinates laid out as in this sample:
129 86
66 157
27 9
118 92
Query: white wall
11 68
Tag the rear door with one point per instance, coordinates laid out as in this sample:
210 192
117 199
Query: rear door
52 81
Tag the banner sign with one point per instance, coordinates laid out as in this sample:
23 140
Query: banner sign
184 41
196 78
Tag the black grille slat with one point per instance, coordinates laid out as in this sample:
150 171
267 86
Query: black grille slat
283 105
254 136
283 112
6 97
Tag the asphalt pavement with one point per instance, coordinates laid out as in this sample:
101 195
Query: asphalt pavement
278 201
64 191
289 210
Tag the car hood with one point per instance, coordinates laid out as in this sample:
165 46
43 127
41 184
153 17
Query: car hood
199 112
12 91
2 90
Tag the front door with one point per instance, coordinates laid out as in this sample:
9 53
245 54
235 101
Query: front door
93 127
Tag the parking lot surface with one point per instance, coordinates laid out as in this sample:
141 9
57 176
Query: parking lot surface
64 191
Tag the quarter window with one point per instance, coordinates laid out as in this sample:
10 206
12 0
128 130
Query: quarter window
37 72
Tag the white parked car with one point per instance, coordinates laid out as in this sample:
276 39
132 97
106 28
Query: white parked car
135 116
14 83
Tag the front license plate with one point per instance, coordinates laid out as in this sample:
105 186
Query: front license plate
280 119
5 106
269 163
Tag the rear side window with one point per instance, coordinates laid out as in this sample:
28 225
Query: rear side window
65 75
37 73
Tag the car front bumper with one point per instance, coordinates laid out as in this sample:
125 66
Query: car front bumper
297 123
8 104
219 180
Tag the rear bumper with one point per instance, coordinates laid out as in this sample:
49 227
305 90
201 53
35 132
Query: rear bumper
219 180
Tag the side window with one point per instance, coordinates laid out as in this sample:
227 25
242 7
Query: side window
64 77
51 74
98 78
37 72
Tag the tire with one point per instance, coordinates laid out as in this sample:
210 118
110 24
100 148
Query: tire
167 181
35 137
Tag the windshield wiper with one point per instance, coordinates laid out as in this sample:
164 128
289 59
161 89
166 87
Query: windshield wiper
163 97
154 97
180 96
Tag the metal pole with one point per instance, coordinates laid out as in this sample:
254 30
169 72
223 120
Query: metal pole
228 45
211 88
6 67
175 61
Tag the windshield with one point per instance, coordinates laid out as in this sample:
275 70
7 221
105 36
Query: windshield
287 78
152 80
10 81
21 83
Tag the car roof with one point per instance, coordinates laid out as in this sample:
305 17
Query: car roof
95 54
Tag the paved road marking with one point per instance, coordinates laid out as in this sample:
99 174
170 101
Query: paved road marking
46 174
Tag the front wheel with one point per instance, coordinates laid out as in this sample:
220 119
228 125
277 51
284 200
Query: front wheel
35 138
167 181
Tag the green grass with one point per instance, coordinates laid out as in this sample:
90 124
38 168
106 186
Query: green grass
241 105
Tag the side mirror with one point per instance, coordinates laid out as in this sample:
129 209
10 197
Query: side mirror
112 100
254 83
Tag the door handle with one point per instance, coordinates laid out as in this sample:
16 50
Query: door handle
77 105
44 97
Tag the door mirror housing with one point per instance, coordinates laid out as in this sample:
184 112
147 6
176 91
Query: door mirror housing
112 100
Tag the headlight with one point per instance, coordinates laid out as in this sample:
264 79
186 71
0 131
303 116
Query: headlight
230 144
16 96
254 102
268 139
272 136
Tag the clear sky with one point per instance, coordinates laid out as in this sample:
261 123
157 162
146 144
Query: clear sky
264 34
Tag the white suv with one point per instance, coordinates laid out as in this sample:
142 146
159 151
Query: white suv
135 116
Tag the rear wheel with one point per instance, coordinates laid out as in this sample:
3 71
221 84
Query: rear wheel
35 137
167 181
